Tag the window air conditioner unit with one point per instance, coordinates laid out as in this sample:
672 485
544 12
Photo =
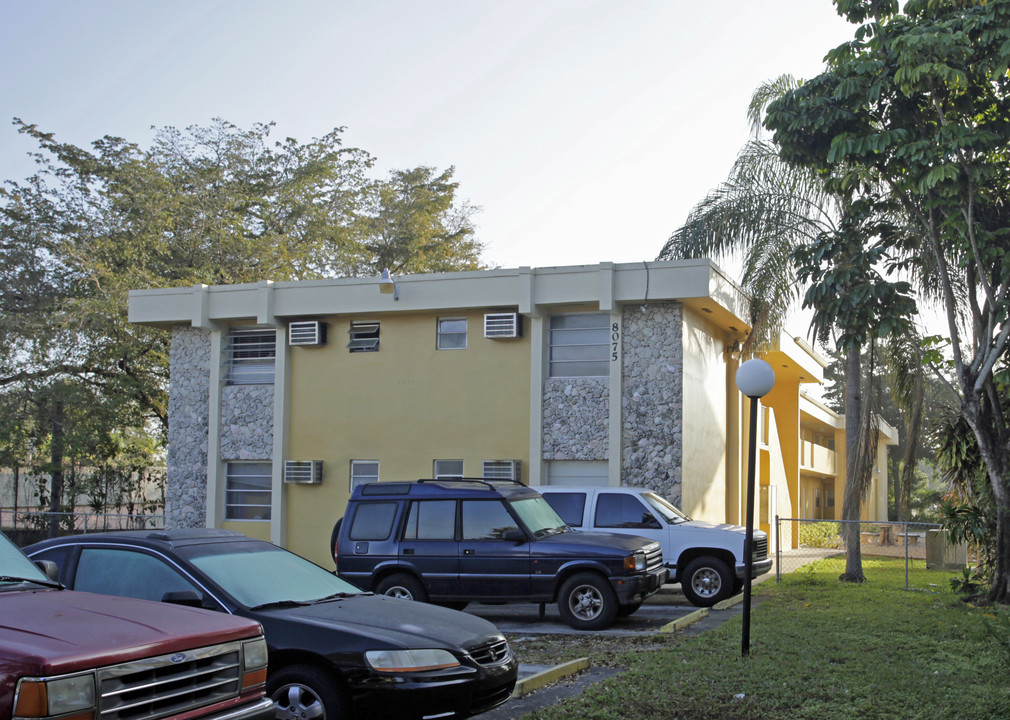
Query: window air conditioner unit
503 325
307 332
303 472
502 470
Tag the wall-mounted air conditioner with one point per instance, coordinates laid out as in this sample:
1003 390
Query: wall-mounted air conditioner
502 470
307 332
503 325
303 472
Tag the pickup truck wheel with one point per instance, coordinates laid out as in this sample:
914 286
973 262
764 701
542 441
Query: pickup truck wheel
587 602
405 587
706 581
304 692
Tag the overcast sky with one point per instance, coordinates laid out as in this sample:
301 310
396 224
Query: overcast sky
585 130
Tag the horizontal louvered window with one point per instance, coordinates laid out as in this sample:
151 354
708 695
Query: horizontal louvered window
247 490
580 345
364 337
251 357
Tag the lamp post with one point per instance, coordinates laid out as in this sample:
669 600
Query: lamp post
755 379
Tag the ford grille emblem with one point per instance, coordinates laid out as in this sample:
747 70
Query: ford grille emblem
178 657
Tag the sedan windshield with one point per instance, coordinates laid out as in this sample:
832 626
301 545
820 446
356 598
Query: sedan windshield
16 569
256 573
538 516
667 511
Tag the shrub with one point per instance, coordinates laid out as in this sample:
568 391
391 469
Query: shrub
820 535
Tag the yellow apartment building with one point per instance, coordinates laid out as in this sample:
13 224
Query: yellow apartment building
286 395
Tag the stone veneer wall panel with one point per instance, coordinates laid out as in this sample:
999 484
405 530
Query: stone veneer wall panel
247 422
652 398
188 407
576 411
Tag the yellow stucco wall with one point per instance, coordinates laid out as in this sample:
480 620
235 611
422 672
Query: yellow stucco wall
253 528
784 402
470 405
704 420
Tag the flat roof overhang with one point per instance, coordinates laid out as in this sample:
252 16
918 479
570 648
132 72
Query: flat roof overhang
698 284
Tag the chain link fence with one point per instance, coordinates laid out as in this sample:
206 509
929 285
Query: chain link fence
135 502
25 528
800 541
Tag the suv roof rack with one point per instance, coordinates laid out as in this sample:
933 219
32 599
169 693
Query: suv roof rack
488 482
400 487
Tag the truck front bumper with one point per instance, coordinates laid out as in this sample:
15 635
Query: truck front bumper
259 709
760 567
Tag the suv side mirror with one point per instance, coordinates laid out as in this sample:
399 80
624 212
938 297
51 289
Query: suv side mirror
514 535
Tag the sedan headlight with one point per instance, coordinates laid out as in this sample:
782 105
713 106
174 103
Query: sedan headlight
635 563
410 660
57 696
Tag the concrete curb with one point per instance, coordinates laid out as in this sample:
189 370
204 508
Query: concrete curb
700 614
728 602
683 622
535 682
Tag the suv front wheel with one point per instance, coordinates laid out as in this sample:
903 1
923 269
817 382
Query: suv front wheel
587 602
400 585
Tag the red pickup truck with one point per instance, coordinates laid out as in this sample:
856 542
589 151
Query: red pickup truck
79 656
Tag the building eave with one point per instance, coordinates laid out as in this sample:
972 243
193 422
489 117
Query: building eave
699 284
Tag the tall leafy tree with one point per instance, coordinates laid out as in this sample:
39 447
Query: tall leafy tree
921 99
416 225
212 204
855 304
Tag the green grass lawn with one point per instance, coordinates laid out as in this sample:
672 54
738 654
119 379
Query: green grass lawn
820 649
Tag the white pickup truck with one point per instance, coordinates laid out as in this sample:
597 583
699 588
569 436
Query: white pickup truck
705 558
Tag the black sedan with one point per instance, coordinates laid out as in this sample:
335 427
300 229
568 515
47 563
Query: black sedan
334 651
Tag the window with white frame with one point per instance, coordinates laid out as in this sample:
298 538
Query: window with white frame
451 334
247 490
447 469
579 345
502 469
364 471
364 337
251 356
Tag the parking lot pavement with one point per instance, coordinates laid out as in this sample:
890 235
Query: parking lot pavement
665 606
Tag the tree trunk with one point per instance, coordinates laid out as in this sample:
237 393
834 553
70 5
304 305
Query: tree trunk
852 495
994 447
56 470
906 479
999 592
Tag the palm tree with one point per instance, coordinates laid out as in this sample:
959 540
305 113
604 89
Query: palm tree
760 215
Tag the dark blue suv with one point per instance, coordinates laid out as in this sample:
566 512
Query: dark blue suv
453 541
